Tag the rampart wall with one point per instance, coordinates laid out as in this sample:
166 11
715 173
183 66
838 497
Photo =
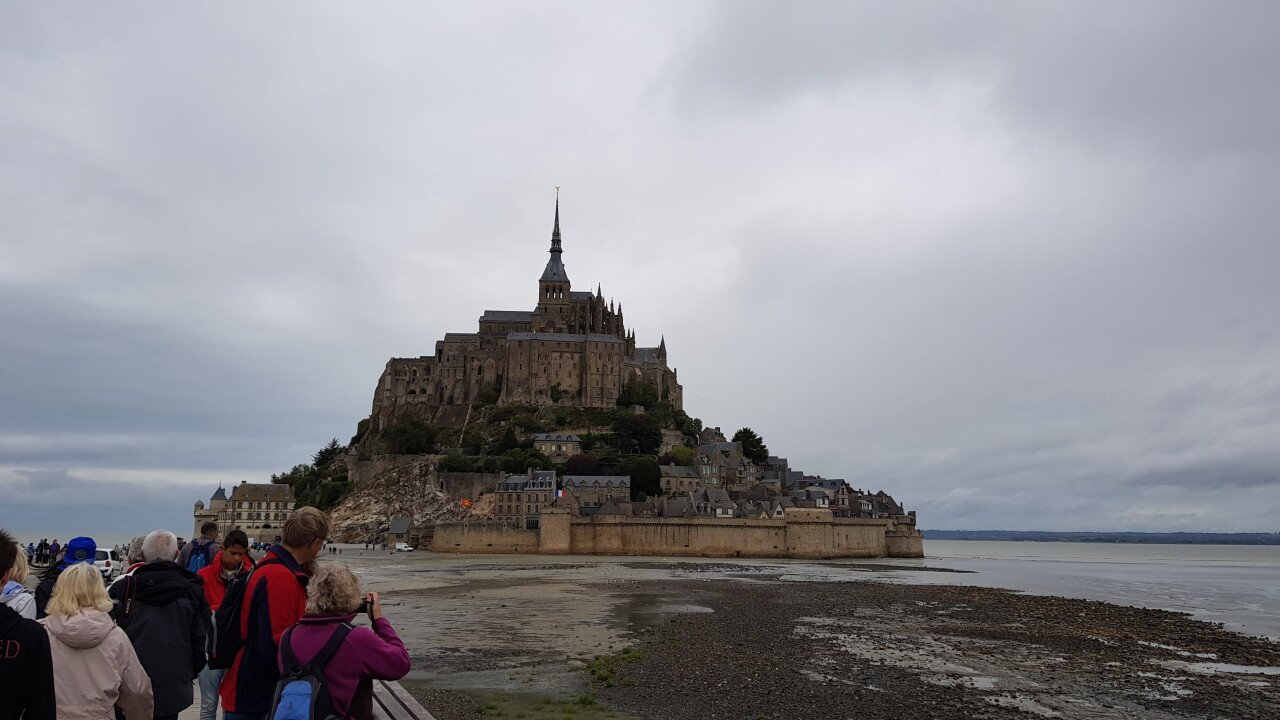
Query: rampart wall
483 537
456 485
803 534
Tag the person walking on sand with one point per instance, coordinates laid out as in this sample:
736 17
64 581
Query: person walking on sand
54 549
26 667
79 550
229 563
97 667
275 598
161 608
358 655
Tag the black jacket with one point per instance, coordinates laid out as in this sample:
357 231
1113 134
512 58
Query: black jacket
44 590
161 608
26 669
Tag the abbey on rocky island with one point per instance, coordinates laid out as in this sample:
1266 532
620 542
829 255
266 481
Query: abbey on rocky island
573 348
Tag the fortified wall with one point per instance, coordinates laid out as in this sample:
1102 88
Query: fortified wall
456 485
804 533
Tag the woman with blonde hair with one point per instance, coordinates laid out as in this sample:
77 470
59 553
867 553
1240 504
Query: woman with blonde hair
97 668
352 657
13 588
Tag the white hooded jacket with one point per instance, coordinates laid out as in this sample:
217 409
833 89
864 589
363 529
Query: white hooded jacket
19 599
95 668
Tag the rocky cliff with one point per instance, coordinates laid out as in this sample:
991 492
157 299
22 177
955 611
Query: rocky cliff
405 490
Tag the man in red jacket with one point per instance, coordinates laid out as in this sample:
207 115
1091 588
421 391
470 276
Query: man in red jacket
229 562
275 599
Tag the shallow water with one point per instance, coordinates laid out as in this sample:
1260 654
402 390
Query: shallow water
1236 585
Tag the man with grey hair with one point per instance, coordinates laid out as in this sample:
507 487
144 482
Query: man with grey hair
161 607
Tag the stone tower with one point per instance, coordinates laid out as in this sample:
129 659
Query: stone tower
553 286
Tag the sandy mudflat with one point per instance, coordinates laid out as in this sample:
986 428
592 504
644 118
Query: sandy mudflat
538 637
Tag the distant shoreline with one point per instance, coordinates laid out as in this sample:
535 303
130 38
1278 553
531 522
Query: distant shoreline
1148 538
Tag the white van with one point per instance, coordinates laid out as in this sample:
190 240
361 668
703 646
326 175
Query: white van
403 547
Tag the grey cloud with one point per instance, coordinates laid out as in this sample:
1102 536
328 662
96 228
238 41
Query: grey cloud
1012 264
1188 74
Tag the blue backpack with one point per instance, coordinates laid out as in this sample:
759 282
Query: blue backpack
301 693
199 556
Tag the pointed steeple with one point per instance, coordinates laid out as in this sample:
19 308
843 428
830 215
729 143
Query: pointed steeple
555 230
555 272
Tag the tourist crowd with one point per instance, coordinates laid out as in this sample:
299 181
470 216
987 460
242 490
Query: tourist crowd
77 649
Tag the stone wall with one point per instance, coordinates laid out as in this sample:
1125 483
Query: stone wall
803 534
467 485
483 537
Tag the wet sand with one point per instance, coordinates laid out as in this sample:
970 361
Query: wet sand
554 636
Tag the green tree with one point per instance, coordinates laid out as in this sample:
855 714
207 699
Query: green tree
753 446
327 454
457 462
518 460
679 455
639 434
411 436
585 464
646 477
508 441
640 393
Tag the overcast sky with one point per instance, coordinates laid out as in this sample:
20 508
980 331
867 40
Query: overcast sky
1015 264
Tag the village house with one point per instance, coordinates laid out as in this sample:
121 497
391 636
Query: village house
556 446
713 502
594 490
722 464
812 497
518 499
679 479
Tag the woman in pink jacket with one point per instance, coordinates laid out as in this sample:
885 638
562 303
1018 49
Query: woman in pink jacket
365 655
94 665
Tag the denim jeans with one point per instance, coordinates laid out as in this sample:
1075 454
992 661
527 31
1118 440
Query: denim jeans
210 679
239 716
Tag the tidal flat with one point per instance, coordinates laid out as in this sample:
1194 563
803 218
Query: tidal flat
615 637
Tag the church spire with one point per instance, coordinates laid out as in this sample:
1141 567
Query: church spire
555 272
555 231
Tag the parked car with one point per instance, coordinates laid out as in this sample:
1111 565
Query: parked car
403 547
108 563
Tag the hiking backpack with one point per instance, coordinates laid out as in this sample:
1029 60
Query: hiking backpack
199 556
301 693
226 640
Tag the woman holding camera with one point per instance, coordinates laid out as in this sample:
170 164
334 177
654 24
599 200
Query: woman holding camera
360 656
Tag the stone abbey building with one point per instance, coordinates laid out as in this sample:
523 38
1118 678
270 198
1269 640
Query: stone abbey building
573 348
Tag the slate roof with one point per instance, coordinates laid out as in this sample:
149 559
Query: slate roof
507 316
609 507
555 437
647 354
581 295
219 494
726 447
683 471
537 480
262 492
677 507
608 481
400 526
563 337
